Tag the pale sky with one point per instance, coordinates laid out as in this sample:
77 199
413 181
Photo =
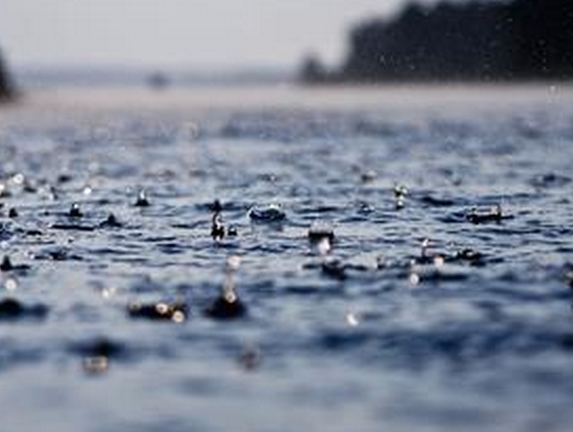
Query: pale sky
191 34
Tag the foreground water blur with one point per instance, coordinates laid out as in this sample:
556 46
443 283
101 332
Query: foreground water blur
431 293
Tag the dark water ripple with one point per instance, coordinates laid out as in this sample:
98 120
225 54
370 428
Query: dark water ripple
430 307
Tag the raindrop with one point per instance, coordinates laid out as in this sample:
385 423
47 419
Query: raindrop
268 213
142 200
75 211
352 319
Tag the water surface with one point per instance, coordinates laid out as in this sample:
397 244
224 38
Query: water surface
471 332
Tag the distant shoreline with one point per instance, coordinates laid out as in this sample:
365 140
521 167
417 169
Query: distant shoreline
32 77
7 89
519 40
48 102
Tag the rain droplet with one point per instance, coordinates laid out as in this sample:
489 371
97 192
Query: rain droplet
95 365
233 262
108 292
142 200
414 278
352 319
75 211
11 284
18 178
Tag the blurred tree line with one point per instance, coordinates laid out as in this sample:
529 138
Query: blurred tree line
6 88
521 39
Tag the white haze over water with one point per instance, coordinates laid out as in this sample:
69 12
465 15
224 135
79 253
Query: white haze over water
180 34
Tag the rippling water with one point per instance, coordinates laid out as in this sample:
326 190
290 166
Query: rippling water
442 303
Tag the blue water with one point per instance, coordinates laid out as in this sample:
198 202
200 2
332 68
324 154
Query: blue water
416 316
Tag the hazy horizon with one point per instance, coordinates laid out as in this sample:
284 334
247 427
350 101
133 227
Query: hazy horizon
198 35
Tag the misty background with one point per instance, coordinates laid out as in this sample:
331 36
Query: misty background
258 41
198 35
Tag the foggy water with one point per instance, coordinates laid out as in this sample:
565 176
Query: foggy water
442 302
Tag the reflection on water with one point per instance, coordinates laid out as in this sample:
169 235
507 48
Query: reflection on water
282 259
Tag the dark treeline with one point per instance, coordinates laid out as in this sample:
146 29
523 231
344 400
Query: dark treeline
6 87
521 39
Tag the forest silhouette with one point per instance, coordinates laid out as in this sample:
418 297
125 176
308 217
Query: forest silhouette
479 40
6 87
